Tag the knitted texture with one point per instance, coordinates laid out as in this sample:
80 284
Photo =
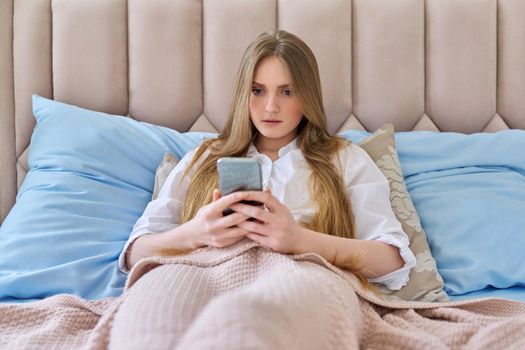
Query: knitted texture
245 296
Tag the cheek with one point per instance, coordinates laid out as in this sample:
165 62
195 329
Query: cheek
296 111
253 105
256 101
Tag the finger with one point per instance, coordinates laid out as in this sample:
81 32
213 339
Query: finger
230 232
252 211
231 241
232 219
265 198
226 241
226 201
216 195
234 232
220 238
266 189
257 238
255 227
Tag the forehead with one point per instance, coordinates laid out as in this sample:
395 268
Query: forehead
272 71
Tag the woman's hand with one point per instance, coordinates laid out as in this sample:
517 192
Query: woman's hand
208 228
274 227
215 230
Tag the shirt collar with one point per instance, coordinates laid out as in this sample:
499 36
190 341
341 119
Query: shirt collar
252 150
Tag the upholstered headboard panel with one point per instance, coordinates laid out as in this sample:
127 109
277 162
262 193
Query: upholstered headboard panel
444 65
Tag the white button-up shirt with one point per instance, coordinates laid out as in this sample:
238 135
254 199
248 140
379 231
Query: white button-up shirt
287 178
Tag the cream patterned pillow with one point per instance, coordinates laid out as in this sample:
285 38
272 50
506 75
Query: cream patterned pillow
425 283
163 170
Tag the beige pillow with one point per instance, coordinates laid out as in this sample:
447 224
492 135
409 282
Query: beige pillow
425 283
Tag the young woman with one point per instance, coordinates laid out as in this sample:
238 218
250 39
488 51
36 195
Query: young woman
322 194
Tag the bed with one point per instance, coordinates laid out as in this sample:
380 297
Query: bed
119 89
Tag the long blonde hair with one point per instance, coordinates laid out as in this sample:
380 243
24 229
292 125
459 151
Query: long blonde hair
334 214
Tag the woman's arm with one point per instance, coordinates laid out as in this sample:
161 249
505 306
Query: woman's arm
376 258
276 229
208 228
157 231
177 239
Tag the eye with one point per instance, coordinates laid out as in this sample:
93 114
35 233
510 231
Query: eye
257 91
287 92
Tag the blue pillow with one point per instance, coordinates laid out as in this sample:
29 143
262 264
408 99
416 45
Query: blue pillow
469 191
90 177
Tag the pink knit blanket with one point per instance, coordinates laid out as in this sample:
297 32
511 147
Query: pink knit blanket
248 297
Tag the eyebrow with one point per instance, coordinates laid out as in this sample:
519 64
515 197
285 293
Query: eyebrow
280 86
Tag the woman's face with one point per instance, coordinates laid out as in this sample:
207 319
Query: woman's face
274 109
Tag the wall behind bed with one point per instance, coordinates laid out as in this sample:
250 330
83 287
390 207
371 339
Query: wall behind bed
444 65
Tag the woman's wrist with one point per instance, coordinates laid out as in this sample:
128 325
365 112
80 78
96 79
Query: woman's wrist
182 238
313 242
304 244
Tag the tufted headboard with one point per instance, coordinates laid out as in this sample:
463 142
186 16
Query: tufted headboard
444 65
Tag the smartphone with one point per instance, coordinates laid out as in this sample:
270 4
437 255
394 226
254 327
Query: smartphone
239 174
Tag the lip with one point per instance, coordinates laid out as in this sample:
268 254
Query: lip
272 121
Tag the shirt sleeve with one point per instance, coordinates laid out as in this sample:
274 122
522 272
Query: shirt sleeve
369 194
163 213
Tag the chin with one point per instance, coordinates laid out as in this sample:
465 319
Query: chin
273 134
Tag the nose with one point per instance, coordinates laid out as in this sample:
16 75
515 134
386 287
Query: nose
272 105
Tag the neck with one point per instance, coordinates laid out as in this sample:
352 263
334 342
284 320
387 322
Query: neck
264 144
